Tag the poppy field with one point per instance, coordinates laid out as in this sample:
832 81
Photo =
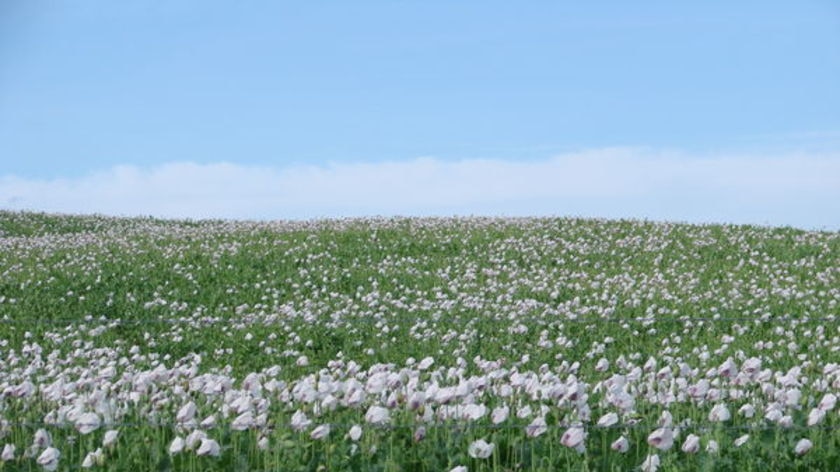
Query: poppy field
416 344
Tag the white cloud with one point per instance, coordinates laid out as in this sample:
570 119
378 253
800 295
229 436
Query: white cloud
793 189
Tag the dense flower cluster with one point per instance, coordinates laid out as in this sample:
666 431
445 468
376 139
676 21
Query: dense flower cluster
611 336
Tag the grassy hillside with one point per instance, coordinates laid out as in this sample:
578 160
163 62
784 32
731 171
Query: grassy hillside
550 339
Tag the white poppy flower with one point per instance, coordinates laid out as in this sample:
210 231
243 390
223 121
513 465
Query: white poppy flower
425 363
377 415
299 421
209 422
719 413
8 452
621 445
49 459
828 402
176 446
480 449
537 427
651 463
691 444
573 437
747 410
602 365
816 416
110 438
87 423
193 439
416 400
803 446
320 432
93 458
209 447
355 432
662 439
186 413
42 439
419 433
608 420
243 421
712 447
499 414
473 412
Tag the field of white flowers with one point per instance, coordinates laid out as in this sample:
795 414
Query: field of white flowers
416 345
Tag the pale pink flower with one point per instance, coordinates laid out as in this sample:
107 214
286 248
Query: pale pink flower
747 410
209 447
719 413
8 452
773 413
425 363
87 423
499 414
662 439
651 463
49 459
329 403
243 421
537 427
299 421
110 438
419 433
209 422
728 369
751 365
828 402
320 432
480 449
354 397
42 439
93 458
194 439
416 400
699 389
608 420
816 416
803 446
573 437
186 413
473 412
355 432
621 445
691 444
792 397
176 446
602 365
25 389
377 383
712 447
377 415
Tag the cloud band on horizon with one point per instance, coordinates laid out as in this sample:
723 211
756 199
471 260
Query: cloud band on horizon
793 189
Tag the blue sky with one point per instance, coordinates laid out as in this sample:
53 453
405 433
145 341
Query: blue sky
97 91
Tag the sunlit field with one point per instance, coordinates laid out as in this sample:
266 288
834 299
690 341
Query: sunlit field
467 344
